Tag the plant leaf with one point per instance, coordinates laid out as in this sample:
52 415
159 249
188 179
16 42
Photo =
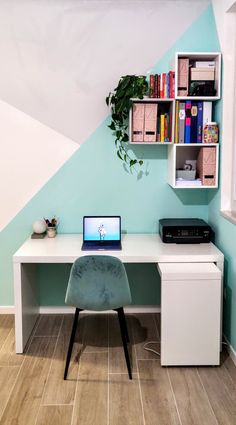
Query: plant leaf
119 155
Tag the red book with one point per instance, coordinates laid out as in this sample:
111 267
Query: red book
164 85
158 88
152 85
172 84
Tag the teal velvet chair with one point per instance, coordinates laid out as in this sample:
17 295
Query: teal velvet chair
98 283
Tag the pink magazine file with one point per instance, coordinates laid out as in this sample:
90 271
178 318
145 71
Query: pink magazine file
150 122
138 122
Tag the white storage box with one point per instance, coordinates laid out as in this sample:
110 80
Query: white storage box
190 314
186 174
199 74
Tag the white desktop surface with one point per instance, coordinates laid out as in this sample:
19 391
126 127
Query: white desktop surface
136 248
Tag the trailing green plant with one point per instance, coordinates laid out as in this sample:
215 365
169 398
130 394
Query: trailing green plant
129 86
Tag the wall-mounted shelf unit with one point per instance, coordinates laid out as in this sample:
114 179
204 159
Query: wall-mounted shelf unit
198 73
196 85
146 119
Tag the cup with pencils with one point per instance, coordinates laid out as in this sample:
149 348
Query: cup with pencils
51 226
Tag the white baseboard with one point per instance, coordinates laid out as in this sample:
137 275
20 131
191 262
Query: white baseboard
231 351
129 309
67 310
7 309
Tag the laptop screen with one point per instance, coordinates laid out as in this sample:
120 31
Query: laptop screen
102 229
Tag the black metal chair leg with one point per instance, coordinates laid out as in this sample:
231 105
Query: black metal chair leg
123 336
72 337
124 324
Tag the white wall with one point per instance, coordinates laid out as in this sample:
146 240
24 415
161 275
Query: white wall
59 60
30 153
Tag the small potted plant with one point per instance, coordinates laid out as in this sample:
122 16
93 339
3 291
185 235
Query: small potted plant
51 226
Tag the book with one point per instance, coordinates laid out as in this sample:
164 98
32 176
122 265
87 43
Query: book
177 121
164 84
199 122
156 86
183 76
181 122
150 122
171 84
166 128
152 85
207 115
194 118
161 86
162 127
138 122
187 133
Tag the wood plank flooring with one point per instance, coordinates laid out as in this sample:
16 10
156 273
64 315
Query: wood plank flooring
98 391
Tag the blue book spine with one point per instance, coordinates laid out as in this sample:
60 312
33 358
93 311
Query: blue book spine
194 117
199 122
188 121
168 85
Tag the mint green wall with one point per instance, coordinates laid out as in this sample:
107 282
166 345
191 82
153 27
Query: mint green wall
93 181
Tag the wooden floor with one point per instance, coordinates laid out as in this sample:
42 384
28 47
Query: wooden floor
98 391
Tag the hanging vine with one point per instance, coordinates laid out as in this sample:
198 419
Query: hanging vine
129 86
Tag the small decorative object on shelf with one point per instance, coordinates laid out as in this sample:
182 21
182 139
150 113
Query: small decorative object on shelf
210 132
51 226
39 228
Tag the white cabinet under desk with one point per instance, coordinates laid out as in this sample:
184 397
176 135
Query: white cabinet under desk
63 249
190 314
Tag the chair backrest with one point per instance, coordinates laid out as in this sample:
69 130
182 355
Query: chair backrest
98 282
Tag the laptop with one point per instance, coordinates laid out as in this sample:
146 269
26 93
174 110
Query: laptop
101 233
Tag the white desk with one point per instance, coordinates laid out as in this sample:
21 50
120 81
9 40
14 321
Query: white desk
136 248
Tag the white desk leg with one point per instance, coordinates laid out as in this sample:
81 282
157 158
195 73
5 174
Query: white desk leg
26 303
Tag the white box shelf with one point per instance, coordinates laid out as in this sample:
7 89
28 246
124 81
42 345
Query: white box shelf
178 153
200 57
165 105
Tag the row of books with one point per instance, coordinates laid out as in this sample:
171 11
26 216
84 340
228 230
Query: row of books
162 85
150 123
190 118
